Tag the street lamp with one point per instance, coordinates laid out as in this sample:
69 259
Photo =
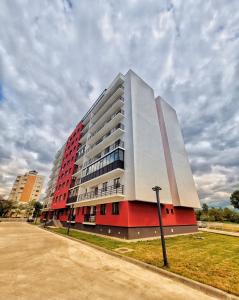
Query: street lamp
69 219
156 189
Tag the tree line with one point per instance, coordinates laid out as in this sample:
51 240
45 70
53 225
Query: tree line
219 214
9 209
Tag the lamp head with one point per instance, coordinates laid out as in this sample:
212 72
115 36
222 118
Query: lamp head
156 188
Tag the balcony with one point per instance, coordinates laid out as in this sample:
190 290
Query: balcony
109 124
83 138
103 193
111 161
89 219
96 148
108 103
116 106
80 156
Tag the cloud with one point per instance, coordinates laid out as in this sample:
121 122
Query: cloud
57 56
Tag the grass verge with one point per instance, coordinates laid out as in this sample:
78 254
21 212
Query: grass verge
206 257
230 227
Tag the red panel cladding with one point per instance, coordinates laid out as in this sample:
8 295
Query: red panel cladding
63 215
64 180
185 216
136 213
145 214
113 220
79 215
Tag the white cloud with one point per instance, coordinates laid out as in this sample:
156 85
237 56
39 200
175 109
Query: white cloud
57 56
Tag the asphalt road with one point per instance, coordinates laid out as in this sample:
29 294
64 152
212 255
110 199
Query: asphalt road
35 264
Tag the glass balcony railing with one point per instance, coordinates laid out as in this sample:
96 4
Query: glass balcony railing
111 161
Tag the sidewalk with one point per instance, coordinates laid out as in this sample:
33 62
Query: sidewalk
220 231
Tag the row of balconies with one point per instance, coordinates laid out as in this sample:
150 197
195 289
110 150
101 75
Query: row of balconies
112 121
115 145
114 103
113 134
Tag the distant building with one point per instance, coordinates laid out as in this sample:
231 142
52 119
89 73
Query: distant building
128 142
27 187
51 186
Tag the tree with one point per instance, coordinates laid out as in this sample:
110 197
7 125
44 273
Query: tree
235 199
30 208
198 214
205 207
37 209
6 207
215 214
227 214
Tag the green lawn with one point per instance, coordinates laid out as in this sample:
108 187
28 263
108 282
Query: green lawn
209 258
232 227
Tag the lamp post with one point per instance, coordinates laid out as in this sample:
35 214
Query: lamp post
69 220
156 189
45 220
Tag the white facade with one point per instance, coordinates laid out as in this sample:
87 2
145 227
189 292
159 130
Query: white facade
51 186
128 145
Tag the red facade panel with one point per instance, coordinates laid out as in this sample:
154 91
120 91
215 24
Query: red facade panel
146 214
64 180
140 214
114 220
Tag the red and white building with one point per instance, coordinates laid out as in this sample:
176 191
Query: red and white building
128 142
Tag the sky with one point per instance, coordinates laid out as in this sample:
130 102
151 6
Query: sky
57 56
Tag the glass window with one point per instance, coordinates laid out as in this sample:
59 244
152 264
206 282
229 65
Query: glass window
116 155
111 157
104 188
121 155
102 209
115 208
116 183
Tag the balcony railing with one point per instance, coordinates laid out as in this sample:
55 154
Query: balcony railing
119 126
118 164
110 190
106 122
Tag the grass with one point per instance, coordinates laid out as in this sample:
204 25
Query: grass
224 226
209 258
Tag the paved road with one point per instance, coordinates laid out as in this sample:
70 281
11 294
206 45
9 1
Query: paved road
35 264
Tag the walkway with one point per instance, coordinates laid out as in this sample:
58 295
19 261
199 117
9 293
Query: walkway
36 264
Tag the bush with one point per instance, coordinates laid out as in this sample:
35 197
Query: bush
218 215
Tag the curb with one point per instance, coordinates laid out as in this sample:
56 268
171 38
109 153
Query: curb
206 289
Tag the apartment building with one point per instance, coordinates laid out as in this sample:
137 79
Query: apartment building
27 187
129 141
51 186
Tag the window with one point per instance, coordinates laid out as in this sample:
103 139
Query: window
115 208
107 150
83 210
104 187
172 212
167 211
116 183
102 209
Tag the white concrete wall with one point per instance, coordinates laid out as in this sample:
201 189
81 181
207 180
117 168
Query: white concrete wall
145 164
185 185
